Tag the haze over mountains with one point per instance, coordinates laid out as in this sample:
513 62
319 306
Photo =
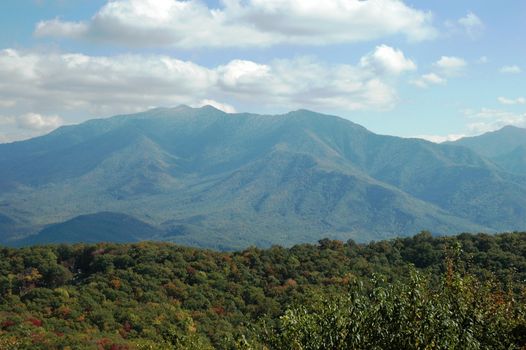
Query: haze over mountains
203 177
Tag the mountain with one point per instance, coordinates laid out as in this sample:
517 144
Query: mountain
98 227
506 147
495 143
212 179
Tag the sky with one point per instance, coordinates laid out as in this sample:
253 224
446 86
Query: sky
439 70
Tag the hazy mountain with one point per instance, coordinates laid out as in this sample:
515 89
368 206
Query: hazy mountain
495 143
230 180
506 147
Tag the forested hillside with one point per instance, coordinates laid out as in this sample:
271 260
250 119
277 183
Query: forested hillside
463 292
205 178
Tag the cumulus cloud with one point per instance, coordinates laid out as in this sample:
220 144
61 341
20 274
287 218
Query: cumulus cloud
386 59
56 27
514 69
77 86
191 23
472 24
27 125
38 122
443 68
428 79
99 85
450 65
32 121
512 101
305 82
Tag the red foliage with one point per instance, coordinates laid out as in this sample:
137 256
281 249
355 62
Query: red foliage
98 252
290 283
7 323
119 347
108 344
35 322
219 310
126 328
102 344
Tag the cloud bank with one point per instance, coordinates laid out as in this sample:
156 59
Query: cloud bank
244 23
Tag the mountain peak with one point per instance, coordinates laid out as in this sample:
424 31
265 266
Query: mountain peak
512 128
495 143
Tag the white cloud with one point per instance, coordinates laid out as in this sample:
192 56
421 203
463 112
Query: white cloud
389 60
305 82
446 66
7 103
98 85
31 121
188 24
38 122
514 69
512 101
483 60
441 138
472 24
26 126
450 65
56 27
78 87
221 106
7 120
429 79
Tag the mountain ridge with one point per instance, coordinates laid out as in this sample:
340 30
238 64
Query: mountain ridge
231 180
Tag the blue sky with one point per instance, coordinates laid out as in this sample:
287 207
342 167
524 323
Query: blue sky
430 69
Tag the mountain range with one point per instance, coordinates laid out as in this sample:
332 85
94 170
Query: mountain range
202 177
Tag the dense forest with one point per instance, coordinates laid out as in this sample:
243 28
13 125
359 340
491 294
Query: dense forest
422 292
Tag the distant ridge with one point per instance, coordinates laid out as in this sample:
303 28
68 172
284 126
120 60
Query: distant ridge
495 143
98 227
506 147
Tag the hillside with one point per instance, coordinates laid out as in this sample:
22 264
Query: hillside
227 181
162 296
514 161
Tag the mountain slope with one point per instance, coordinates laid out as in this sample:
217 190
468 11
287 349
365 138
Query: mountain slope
514 161
226 181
